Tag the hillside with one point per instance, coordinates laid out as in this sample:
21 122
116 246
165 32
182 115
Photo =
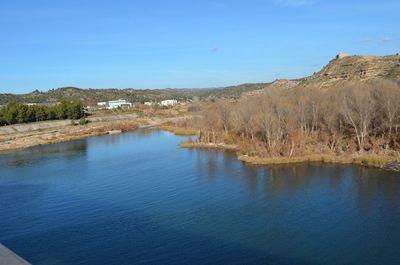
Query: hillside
277 84
133 95
341 70
345 69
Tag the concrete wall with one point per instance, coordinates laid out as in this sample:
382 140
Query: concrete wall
7 257
35 126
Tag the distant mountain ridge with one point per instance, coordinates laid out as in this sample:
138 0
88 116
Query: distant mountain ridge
336 73
133 95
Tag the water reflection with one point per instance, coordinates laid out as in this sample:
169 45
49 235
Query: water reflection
140 197
374 185
43 154
366 183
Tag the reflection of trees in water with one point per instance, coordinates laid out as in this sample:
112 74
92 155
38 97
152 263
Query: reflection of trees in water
127 136
207 162
65 151
287 179
212 162
365 185
146 131
106 139
373 185
216 163
252 177
282 179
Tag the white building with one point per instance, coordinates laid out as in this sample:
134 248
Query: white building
121 103
113 104
169 102
148 103
102 104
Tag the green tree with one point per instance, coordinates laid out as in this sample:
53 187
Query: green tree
62 110
10 113
42 113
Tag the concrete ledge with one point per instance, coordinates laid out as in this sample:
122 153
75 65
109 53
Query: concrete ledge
7 257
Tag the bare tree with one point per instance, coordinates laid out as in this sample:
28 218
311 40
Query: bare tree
389 100
224 112
358 107
302 120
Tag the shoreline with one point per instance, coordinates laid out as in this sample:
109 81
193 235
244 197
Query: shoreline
38 134
64 134
384 162
52 135
177 130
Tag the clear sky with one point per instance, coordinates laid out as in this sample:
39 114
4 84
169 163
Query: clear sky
183 43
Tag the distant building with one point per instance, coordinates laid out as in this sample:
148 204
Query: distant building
114 104
102 105
121 103
149 103
169 102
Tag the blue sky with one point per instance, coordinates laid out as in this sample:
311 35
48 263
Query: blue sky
183 43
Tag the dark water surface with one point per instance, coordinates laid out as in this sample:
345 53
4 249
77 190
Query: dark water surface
138 199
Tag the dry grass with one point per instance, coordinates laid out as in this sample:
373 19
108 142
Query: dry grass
375 161
207 146
178 130
293 160
378 161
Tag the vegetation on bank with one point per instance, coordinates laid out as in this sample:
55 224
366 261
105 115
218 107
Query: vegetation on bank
14 112
389 162
358 123
364 160
178 130
191 144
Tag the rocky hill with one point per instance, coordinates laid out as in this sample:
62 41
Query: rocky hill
346 68
341 70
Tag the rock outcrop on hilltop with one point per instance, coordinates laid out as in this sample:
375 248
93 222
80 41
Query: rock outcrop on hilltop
358 69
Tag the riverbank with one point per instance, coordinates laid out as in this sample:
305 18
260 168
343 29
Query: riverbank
208 146
177 130
387 162
42 133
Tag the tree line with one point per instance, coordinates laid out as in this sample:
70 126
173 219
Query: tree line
15 112
288 122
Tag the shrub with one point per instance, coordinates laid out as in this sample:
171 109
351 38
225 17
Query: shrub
83 121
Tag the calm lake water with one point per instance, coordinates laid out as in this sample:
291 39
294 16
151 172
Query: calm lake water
137 198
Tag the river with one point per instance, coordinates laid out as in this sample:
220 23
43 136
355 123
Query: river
137 198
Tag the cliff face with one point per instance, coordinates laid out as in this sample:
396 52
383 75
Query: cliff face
358 69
